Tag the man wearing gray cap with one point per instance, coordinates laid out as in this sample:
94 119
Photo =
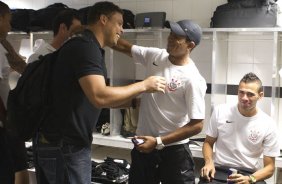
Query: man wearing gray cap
167 120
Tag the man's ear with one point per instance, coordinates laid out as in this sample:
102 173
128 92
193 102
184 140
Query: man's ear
191 45
62 28
103 19
261 94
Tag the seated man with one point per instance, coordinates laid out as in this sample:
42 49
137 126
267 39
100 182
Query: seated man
242 133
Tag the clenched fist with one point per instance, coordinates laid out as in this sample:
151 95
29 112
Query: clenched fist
155 84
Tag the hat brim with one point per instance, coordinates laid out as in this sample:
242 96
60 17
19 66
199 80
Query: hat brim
175 28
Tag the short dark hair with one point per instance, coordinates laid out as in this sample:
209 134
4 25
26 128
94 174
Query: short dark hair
251 77
4 9
102 8
66 17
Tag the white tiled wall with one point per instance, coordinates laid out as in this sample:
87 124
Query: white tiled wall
250 53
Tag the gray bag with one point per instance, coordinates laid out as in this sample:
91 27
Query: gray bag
245 13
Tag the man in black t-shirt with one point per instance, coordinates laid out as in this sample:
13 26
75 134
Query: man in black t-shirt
79 91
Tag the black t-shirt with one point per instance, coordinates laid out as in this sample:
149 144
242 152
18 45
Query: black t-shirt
73 117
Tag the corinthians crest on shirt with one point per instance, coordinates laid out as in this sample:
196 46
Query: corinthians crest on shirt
174 83
253 135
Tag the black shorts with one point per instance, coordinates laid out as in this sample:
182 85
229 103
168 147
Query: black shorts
13 153
173 164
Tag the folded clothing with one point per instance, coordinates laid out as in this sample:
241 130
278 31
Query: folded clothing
112 170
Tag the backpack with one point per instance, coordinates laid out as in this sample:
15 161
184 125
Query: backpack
245 13
29 102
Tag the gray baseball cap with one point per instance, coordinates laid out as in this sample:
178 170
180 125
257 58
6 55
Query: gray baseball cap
188 29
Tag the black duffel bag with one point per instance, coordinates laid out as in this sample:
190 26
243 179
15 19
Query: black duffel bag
245 13
43 19
21 19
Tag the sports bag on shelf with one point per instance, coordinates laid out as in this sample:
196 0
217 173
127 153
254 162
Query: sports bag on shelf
245 13
43 19
21 19
128 19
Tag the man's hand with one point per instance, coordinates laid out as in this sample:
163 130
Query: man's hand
148 145
208 171
155 84
16 62
239 179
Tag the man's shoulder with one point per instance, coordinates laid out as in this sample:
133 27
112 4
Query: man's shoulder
33 57
85 35
43 48
225 108
151 49
82 41
41 51
265 116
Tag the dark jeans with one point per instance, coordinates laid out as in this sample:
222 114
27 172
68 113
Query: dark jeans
62 164
222 174
172 165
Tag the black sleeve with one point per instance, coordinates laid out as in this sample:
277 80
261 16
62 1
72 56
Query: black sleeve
86 58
